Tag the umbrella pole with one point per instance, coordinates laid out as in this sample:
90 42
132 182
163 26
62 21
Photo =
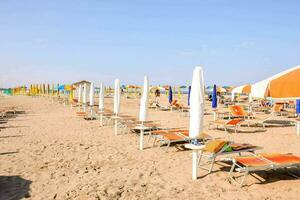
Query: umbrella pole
215 115
116 126
101 120
142 137
194 164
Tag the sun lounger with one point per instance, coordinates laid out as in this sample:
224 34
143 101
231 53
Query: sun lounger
278 109
170 136
216 148
226 124
239 112
262 162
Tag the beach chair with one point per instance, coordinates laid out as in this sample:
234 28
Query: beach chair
169 136
239 112
262 162
127 123
226 124
278 109
258 121
216 148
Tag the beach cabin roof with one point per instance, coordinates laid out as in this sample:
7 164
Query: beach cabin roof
81 82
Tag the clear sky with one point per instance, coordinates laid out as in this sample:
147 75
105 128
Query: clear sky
236 41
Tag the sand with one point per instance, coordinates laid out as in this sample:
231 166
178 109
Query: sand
50 153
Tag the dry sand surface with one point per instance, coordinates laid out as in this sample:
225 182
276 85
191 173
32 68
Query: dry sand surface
50 153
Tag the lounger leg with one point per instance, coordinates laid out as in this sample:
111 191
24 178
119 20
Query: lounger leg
212 164
200 157
154 141
231 171
244 178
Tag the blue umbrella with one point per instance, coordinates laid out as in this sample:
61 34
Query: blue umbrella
189 94
61 87
170 95
214 97
298 106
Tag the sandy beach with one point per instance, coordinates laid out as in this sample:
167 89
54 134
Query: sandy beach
50 153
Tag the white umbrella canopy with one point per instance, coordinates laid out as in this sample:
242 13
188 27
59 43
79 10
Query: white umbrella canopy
79 93
101 97
117 97
144 101
92 94
260 89
197 102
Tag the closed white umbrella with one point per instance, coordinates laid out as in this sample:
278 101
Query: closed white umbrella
84 97
144 110
84 94
92 102
117 97
144 101
79 94
116 104
101 103
101 97
197 102
92 94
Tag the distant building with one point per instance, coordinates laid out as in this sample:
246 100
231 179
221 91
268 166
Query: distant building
82 83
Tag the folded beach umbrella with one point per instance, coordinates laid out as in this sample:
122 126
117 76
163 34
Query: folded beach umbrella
170 96
144 101
84 93
179 93
117 97
214 98
298 107
79 93
101 97
197 103
189 95
196 113
92 94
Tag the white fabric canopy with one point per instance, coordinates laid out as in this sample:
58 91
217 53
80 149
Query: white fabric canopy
84 93
92 94
237 90
144 101
117 97
259 89
101 97
197 103
79 93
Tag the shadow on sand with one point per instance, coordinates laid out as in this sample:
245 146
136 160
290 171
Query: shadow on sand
14 187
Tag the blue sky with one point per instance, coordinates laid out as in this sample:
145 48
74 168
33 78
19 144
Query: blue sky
236 41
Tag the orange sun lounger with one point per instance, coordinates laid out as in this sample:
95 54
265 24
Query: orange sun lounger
239 112
233 123
261 162
174 135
